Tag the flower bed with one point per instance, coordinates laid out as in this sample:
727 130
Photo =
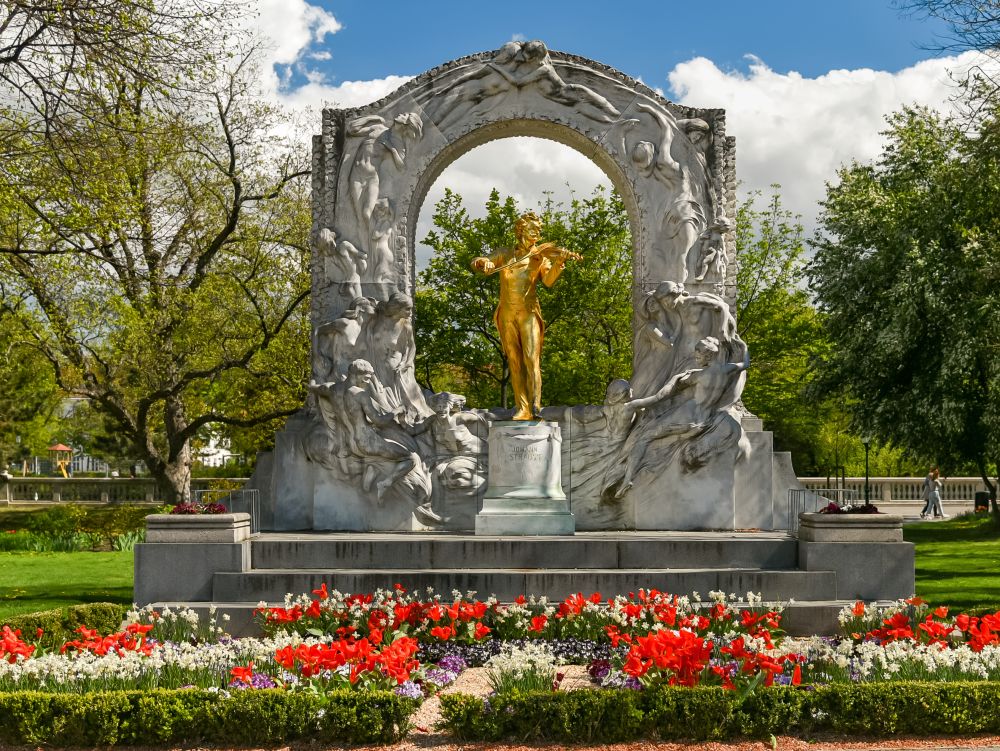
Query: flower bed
658 662
466 620
849 508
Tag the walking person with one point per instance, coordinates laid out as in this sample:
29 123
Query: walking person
932 495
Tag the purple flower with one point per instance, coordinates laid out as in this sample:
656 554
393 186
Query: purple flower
440 677
599 669
409 689
262 680
257 680
452 663
618 679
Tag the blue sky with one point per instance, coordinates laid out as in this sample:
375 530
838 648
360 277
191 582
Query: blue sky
644 38
806 84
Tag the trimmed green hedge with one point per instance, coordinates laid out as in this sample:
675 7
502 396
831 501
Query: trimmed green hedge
60 625
251 717
712 713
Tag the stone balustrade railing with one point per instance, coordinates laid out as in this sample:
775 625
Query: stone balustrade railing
15 490
888 489
145 490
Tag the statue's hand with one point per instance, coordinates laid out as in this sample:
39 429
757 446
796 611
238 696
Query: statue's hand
482 265
554 252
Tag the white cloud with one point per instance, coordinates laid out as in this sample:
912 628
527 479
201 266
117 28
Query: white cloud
790 129
797 131
292 26
290 29
317 93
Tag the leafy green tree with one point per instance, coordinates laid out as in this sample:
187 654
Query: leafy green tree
779 324
587 313
785 334
161 242
29 397
906 272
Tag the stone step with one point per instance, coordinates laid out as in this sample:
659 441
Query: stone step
271 585
581 551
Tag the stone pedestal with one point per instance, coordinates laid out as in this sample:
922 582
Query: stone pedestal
183 553
816 527
197 527
525 495
865 551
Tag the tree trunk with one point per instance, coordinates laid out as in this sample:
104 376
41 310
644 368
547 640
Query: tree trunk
176 479
990 487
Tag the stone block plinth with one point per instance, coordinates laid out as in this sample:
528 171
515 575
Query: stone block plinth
183 553
197 527
865 551
525 495
815 527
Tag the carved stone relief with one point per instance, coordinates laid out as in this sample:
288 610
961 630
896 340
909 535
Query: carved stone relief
392 447
679 415
515 68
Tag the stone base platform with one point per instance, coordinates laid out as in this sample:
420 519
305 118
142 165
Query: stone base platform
776 565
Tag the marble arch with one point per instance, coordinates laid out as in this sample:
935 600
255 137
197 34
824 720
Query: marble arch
673 165
370 451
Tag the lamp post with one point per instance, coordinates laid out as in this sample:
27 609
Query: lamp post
867 442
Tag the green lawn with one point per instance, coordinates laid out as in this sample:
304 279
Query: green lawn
958 562
30 582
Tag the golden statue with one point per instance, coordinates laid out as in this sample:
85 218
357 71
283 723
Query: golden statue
518 316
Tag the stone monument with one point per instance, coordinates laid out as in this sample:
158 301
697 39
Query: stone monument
525 495
371 454
670 449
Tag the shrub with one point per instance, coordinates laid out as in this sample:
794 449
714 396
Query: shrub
572 716
190 716
905 708
713 713
59 521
